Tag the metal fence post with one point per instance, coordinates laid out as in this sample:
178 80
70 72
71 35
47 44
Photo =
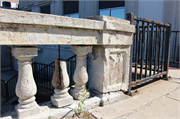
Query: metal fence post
7 91
167 51
34 71
130 17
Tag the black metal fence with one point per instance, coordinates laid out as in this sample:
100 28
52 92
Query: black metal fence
71 65
8 88
150 50
43 73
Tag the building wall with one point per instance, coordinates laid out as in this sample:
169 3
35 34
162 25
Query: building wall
146 9
171 15
163 10
14 3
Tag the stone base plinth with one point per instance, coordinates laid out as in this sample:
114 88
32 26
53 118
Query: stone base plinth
23 113
112 97
79 94
62 102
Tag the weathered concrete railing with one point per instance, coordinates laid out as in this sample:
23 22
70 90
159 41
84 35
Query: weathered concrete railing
109 39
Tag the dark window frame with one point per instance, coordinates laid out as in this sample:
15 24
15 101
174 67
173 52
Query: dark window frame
111 4
45 9
74 5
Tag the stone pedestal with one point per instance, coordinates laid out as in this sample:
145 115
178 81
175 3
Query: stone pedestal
25 87
60 82
110 65
80 75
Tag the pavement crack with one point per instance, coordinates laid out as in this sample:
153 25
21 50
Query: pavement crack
148 104
178 79
173 98
174 82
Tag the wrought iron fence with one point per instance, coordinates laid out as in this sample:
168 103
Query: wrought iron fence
71 65
43 73
150 50
8 88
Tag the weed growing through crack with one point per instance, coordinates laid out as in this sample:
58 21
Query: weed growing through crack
80 108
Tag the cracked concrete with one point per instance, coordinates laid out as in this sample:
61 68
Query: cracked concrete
160 99
164 107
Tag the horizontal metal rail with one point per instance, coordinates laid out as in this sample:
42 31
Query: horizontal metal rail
138 82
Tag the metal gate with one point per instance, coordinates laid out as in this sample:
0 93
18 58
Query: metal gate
150 50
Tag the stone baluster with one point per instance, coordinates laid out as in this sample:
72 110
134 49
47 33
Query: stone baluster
61 97
25 87
80 75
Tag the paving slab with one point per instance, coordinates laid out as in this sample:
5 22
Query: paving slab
175 95
174 72
146 95
165 108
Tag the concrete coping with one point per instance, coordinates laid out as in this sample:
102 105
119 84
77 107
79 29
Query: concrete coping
98 22
29 28
23 17
115 24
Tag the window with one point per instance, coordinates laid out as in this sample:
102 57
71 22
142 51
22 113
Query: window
71 7
111 4
46 9
112 8
113 12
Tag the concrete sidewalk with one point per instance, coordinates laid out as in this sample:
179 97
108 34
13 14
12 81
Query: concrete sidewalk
160 100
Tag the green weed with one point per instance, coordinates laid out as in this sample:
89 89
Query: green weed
80 108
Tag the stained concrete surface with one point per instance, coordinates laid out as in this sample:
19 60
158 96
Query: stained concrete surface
157 100
175 96
165 108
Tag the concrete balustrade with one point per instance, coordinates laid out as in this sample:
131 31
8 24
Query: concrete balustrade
107 39
80 75
25 87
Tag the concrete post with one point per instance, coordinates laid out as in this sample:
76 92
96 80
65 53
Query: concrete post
25 87
88 8
110 62
80 75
